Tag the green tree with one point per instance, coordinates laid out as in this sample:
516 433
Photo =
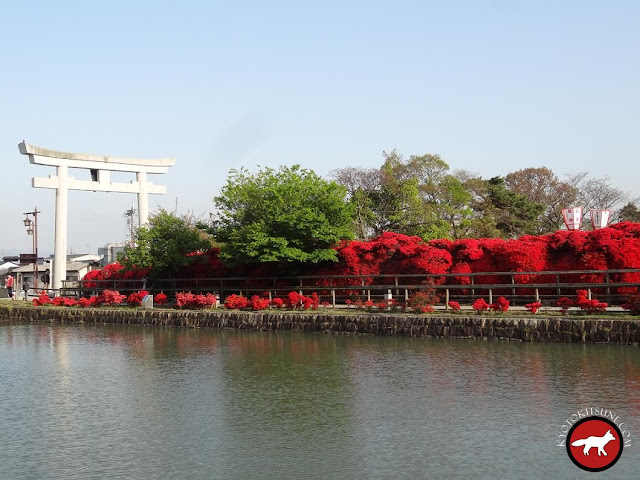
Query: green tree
541 185
289 215
360 184
453 206
514 214
414 197
629 213
163 244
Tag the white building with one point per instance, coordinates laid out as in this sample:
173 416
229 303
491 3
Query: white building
109 253
77 267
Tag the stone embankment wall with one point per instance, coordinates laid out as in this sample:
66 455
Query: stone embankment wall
527 328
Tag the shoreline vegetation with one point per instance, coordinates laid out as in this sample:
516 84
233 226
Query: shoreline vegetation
512 326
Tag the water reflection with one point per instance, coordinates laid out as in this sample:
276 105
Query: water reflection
96 402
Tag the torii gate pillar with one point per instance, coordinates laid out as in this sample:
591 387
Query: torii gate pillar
100 170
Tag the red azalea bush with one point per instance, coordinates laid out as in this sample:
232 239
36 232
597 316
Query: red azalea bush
235 302
455 306
113 297
615 247
195 301
43 299
589 306
633 305
302 302
89 280
259 303
277 302
96 301
387 304
64 302
533 307
565 303
500 305
480 305
135 299
84 302
419 301
160 298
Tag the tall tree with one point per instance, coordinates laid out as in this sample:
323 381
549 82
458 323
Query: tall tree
164 242
596 193
502 212
360 184
453 205
289 215
542 186
629 213
415 196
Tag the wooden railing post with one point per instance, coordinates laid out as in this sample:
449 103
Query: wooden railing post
473 290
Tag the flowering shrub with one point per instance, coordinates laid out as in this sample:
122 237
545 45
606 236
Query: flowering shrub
43 299
633 305
277 302
564 303
294 300
480 305
259 303
420 300
160 298
589 306
500 305
387 304
195 301
615 247
427 309
96 301
533 307
235 302
455 306
135 299
64 302
84 302
302 302
113 297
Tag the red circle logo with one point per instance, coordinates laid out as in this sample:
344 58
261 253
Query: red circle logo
594 444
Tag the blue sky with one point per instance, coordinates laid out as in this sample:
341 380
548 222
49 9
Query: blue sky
492 86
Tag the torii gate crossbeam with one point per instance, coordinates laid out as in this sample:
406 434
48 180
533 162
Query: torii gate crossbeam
100 168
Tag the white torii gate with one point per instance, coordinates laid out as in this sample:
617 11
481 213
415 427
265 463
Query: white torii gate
100 168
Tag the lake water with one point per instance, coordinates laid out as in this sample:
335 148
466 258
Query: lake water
85 402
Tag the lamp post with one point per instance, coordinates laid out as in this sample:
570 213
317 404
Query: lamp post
32 229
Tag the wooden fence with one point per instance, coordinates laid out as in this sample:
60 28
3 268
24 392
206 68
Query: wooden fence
520 288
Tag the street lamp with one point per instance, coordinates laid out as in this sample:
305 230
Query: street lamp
32 229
